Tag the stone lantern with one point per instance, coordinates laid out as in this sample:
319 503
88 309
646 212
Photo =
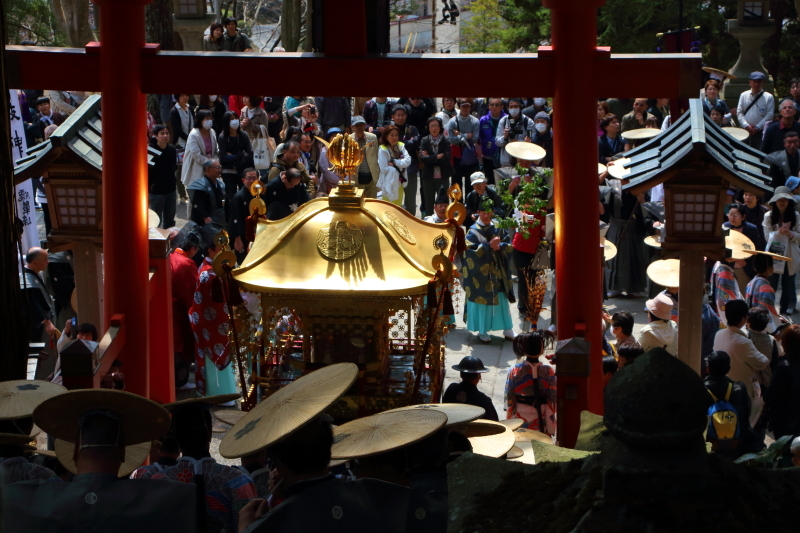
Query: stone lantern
189 9
751 27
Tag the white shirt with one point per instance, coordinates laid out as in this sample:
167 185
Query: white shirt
758 115
745 358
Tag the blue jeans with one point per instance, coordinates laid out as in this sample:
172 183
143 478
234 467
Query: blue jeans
164 205
788 290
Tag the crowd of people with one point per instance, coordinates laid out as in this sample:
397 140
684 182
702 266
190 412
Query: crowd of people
211 151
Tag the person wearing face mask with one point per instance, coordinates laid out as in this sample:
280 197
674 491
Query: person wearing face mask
216 105
543 136
539 105
201 146
513 127
235 154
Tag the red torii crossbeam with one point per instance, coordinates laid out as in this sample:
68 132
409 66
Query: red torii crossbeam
574 70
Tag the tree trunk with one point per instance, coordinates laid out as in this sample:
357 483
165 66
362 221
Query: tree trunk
158 24
158 29
13 317
73 18
291 13
306 41
773 59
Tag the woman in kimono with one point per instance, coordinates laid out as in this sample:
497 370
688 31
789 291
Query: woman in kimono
531 385
210 323
487 280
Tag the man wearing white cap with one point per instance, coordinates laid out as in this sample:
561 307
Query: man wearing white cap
756 106
475 198
661 332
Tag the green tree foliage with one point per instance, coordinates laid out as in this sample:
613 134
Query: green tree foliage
499 26
32 20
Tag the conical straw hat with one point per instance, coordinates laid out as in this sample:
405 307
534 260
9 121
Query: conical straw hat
383 432
523 434
512 423
665 272
210 400
617 170
20 397
480 428
737 133
141 419
652 240
135 455
609 250
493 445
774 256
641 133
527 453
288 410
739 245
526 151
515 452
457 413
229 416
601 168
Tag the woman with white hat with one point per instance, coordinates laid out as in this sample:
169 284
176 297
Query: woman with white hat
782 228
661 332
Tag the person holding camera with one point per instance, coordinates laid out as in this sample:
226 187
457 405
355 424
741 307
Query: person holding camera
513 127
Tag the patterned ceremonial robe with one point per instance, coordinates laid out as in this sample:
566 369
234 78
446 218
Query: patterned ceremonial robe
724 287
520 383
210 325
227 490
486 272
760 292
15 469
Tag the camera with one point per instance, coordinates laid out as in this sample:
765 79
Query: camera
312 109
515 127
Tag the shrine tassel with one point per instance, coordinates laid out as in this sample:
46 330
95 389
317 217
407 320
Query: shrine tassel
447 305
216 290
234 296
431 301
250 226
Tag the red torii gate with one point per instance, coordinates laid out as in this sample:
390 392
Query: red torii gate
574 70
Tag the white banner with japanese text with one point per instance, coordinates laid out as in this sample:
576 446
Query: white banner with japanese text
24 194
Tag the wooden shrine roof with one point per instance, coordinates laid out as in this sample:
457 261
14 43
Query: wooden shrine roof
80 136
695 136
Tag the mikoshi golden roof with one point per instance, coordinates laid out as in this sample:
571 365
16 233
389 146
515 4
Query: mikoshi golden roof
344 243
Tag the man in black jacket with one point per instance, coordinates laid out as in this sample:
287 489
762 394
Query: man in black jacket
162 190
238 213
409 136
207 195
717 381
475 198
471 368
285 194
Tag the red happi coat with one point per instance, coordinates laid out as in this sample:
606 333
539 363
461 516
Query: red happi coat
210 323
184 283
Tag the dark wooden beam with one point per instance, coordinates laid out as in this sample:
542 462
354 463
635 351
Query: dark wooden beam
624 76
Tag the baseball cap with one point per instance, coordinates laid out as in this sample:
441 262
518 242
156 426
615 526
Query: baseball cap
758 76
477 177
358 119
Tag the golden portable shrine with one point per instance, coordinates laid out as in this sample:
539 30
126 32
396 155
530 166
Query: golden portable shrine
347 279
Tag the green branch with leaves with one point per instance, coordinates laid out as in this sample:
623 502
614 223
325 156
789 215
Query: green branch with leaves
529 199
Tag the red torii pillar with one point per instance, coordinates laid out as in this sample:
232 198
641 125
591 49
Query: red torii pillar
125 235
578 282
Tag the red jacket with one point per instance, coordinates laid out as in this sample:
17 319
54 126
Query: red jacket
535 235
184 283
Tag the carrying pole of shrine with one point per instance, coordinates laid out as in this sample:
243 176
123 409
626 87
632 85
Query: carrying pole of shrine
125 244
577 239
